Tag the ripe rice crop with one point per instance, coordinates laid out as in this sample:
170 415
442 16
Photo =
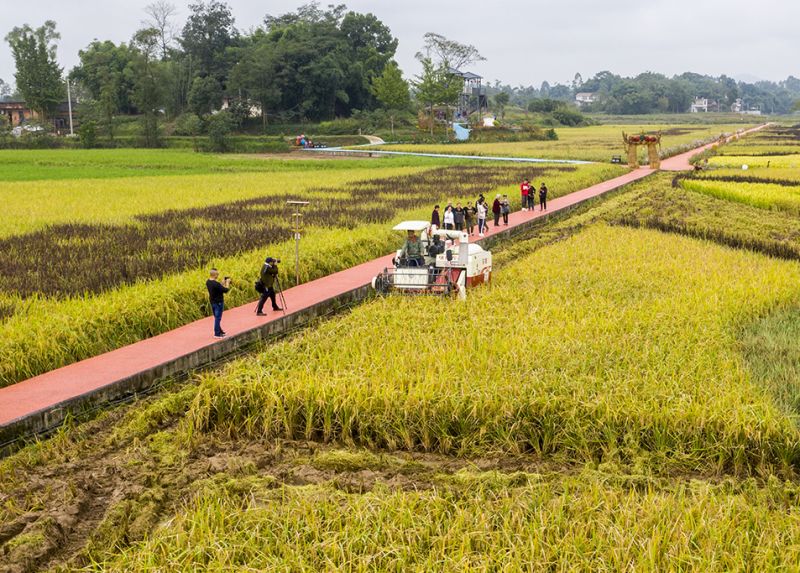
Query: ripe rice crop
655 204
95 258
31 206
765 161
615 343
149 295
62 164
753 174
474 521
762 195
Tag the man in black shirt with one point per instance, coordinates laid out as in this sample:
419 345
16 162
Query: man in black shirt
216 296
269 272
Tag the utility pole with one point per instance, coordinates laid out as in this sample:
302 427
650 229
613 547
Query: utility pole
297 229
69 106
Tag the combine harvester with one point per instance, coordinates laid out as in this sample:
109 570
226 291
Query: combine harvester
448 265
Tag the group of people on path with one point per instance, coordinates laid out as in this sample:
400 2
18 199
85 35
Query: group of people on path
528 193
458 218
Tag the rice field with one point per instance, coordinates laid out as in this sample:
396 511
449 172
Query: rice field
616 423
118 260
624 348
478 521
623 397
763 195
595 143
762 171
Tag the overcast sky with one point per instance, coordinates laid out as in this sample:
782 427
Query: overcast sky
524 41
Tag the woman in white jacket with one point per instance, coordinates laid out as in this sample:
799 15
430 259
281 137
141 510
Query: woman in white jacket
449 219
482 210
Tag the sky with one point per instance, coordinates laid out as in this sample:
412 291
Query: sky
524 41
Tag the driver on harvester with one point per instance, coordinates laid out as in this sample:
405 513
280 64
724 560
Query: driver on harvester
411 254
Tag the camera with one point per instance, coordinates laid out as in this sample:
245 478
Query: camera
227 278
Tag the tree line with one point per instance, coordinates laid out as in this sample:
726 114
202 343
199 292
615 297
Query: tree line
649 93
312 64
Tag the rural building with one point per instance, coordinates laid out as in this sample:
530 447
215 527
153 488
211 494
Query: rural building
585 98
18 113
700 105
253 108
737 106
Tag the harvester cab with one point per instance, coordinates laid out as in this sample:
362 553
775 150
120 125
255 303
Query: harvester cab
435 261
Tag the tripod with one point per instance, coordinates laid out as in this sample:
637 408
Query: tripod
280 294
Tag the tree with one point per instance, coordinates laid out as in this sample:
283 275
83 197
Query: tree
147 92
205 96
436 86
501 101
368 48
796 105
161 13
219 126
257 74
577 82
104 72
208 33
38 75
391 90
5 90
449 53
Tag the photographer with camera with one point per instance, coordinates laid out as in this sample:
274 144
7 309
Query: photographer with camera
266 285
216 296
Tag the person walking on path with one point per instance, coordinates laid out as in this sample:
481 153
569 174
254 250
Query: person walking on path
435 220
525 189
482 210
216 296
449 219
496 210
543 197
505 209
458 217
269 274
469 219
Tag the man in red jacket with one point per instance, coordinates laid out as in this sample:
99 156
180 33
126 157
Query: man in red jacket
525 190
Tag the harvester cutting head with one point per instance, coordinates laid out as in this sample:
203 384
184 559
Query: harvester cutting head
435 261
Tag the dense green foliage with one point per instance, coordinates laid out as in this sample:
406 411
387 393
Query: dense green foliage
38 75
650 92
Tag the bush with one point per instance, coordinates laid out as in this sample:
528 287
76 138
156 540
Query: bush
342 126
188 124
87 133
544 105
569 117
219 127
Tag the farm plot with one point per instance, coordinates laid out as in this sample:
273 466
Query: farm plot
609 403
61 164
637 359
764 195
75 288
763 171
477 521
596 143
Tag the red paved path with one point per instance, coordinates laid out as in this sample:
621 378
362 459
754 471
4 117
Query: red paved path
47 390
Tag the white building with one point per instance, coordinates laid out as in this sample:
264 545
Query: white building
737 106
585 98
700 105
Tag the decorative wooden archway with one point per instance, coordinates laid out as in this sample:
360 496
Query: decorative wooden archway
632 143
